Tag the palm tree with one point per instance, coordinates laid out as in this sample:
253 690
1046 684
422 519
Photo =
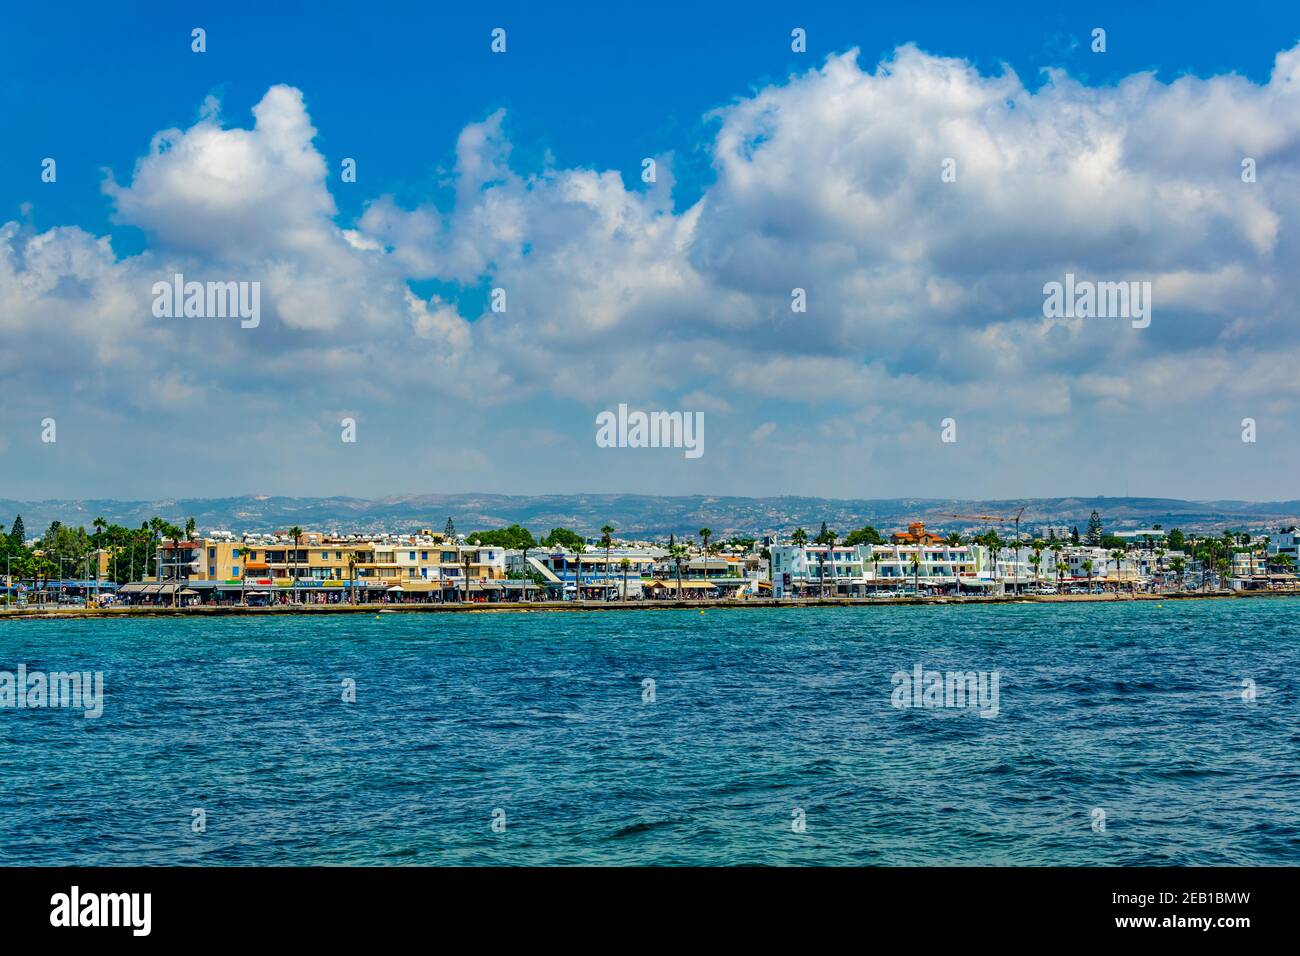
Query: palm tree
800 540
296 534
1283 561
705 535
625 563
679 553
1015 559
1087 567
1117 555
1177 565
465 563
243 574
579 550
1036 559
830 538
994 544
607 539
916 570
352 575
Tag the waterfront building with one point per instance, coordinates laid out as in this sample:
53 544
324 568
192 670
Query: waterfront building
598 575
1286 541
319 568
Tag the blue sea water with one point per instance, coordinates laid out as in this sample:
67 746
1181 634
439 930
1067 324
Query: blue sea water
1135 709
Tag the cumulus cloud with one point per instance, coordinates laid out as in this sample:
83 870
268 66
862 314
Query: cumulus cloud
924 297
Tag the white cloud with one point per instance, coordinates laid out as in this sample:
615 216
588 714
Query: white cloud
924 297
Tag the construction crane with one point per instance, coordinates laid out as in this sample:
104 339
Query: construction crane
1015 518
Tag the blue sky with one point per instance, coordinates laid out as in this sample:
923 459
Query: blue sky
669 296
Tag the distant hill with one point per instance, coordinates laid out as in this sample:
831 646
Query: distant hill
648 515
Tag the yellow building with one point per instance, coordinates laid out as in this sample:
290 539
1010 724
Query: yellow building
330 561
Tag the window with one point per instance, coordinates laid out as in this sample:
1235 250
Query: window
424 555
212 553
410 555
234 570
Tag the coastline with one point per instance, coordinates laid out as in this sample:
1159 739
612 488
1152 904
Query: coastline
75 612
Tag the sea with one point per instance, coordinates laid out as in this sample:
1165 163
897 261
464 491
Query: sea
1143 733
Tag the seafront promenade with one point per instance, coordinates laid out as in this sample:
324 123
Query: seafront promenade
66 612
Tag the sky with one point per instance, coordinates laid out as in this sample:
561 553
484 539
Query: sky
921 174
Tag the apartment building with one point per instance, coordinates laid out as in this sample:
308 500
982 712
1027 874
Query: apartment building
317 559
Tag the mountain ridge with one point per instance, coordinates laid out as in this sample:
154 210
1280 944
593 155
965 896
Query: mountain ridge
635 515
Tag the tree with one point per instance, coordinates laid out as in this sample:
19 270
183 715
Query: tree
1094 530
243 573
1118 556
607 539
830 549
352 576
579 550
1284 562
191 526
17 534
625 564
1177 565
1087 567
1207 552
296 533
1074 535
916 570
563 538
799 537
705 535
864 535
679 553
449 531
1177 540
515 537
